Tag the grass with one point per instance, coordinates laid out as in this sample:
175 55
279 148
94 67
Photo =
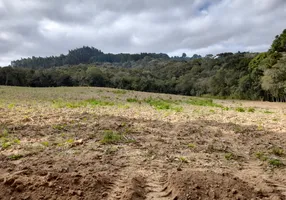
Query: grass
261 156
111 137
277 151
161 104
132 100
7 140
119 91
229 156
240 109
252 110
15 157
191 146
203 102
275 162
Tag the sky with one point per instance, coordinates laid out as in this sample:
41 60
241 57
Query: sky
44 28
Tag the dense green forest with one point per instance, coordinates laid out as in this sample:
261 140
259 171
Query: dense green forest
242 75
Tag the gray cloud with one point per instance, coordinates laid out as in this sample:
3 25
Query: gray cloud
44 28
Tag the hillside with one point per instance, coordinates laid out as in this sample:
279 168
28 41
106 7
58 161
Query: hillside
242 75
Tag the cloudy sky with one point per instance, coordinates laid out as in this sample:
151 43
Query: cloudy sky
44 28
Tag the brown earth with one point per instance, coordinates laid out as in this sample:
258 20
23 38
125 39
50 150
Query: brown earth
177 157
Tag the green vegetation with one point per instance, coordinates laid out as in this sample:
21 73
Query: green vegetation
278 151
161 104
203 102
15 157
242 75
111 137
132 100
240 109
191 146
261 156
274 162
7 140
79 104
229 156
252 110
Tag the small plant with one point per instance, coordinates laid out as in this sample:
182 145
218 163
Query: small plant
191 146
11 106
111 137
183 159
203 102
240 109
229 156
95 102
45 143
132 100
268 112
15 157
278 151
119 91
161 104
261 156
6 140
252 110
212 111
274 162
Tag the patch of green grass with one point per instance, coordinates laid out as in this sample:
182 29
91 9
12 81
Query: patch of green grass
45 143
261 156
15 157
60 127
268 112
203 102
111 137
119 91
161 104
183 159
240 109
132 100
191 146
11 106
96 102
274 162
252 110
7 140
229 156
278 151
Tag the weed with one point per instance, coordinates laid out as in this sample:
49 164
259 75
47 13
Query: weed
95 102
132 100
6 140
111 137
11 106
161 104
240 109
212 111
229 156
15 157
203 102
274 162
191 146
252 110
183 159
119 91
278 151
45 143
261 156
268 112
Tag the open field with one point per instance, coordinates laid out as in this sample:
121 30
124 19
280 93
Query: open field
99 143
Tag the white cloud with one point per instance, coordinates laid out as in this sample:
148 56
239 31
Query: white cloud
43 28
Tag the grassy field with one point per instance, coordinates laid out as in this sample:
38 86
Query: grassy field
101 143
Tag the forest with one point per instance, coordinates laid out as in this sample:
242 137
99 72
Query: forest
241 75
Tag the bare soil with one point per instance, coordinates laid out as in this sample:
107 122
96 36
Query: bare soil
199 153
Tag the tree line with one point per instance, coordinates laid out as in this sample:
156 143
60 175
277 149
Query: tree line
241 75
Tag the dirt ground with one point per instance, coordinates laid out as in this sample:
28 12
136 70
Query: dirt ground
131 150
